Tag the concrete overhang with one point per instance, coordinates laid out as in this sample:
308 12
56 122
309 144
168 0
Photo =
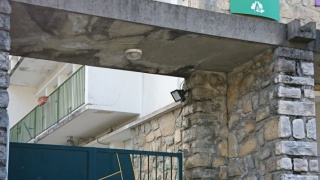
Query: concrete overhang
174 40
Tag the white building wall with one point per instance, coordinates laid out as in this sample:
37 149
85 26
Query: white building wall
114 90
156 92
22 101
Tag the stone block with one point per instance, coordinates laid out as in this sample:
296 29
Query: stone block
298 129
271 130
246 103
167 124
248 146
196 132
297 148
303 81
177 136
263 154
5 40
197 160
311 129
4 79
5 22
233 145
313 165
4 61
309 93
150 137
297 177
300 165
5 7
296 108
4 98
223 172
223 148
284 127
200 173
307 69
285 66
236 167
4 118
289 92
292 53
262 113
284 164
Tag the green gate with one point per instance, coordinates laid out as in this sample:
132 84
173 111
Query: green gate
50 162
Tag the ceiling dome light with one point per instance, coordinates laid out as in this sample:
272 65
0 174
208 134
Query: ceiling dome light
133 54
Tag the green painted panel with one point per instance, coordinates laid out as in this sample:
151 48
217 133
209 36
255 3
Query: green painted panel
264 8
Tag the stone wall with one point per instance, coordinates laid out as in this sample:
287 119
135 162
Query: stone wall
256 122
271 117
160 134
199 129
303 10
5 11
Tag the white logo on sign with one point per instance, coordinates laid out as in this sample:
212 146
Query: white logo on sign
257 6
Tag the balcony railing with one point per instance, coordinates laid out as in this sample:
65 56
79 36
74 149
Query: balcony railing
65 99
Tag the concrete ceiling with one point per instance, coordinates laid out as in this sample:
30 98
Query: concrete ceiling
175 40
58 35
32 72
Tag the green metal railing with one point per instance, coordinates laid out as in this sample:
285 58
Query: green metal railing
87 163
65 99
149 165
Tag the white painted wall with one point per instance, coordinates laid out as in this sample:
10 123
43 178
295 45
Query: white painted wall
114 90
22 101
156 92
124 91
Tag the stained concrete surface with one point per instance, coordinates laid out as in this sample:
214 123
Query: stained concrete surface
52 34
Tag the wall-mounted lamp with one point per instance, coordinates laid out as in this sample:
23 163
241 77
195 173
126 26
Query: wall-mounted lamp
179 95
133 54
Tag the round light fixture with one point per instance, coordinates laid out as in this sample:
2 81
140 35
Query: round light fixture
133 54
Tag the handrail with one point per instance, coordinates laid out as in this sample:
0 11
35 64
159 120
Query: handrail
61 102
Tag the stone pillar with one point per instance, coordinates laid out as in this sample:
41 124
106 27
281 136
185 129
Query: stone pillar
204 126
5 10
271 117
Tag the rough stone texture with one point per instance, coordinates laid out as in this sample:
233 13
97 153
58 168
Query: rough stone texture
284 163
5 7
279 112
296 148
4 96
298 129
4 79
4 40
311 129
289 92
4 63
298 177
199 129
296 108
4 22
300 165
309 93
313 165
294 80
284 127
5 10
307 69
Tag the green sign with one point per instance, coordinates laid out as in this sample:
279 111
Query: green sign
264 8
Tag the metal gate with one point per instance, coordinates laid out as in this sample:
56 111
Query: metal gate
50 162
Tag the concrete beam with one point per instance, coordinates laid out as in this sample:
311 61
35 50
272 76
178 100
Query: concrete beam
176 17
